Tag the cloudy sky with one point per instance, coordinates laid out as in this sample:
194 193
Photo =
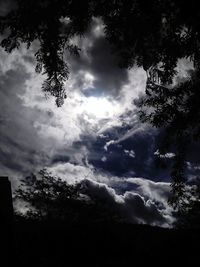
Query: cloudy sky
95 137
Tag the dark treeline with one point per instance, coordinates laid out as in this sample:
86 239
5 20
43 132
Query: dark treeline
102 244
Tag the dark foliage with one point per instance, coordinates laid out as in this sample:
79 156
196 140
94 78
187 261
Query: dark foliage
44 21
141 32
48 198
186 200
176 109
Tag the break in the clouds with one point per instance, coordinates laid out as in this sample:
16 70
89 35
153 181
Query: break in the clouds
94 138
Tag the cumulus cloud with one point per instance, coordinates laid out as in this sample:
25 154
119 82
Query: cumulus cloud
130 153
18 138
157 191
167 155
137 200
141 211
72 173
33 131
131 206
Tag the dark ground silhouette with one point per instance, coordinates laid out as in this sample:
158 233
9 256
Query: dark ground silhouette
60 244
29 242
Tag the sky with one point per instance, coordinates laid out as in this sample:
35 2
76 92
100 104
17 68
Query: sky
95 138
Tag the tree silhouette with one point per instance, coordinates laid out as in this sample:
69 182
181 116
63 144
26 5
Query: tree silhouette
46 197
176 109
153 34
140 32
185 199
49 198
45 21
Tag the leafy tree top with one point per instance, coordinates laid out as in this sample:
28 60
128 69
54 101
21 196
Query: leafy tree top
141 32
49 198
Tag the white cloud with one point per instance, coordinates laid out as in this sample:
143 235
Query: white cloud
192 166
131 153
167 155
103 159
70 172
157 191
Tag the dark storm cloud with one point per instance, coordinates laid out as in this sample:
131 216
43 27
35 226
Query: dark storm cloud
22 149
131 205
17 152
6 6
109 77
142 212
159 192
97 59
136 200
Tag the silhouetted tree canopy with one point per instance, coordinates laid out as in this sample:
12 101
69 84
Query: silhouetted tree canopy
49 198
153 34
141 32
186 200
177 110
